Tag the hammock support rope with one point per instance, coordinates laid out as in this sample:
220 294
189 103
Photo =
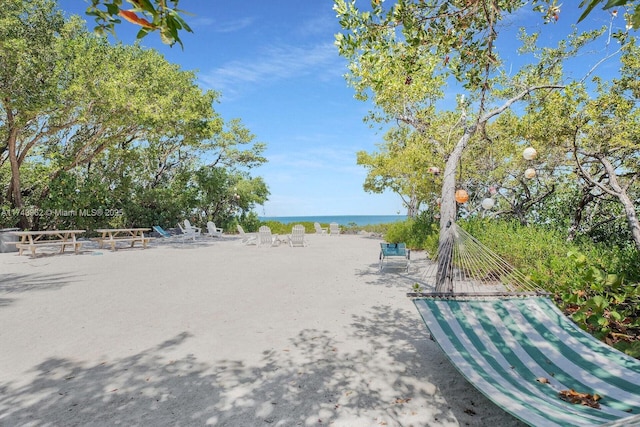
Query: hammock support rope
464 266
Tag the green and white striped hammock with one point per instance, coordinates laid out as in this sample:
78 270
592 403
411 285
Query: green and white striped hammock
522 352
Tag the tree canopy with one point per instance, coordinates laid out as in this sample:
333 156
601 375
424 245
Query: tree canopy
165 17
405 56
85 124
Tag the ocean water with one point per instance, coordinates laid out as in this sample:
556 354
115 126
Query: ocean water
344 220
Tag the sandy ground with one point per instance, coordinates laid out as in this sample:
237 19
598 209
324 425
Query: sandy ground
223 334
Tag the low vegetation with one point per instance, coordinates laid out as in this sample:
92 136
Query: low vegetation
351 228
595 284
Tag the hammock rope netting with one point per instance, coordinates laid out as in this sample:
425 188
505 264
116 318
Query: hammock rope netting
509 340
464 266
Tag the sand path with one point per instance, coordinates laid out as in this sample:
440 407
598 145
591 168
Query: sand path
218 333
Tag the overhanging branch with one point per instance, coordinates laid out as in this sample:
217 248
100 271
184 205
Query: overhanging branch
508 103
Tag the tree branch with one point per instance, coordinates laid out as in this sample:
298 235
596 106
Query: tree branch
508 103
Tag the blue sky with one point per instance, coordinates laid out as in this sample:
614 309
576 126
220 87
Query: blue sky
277 69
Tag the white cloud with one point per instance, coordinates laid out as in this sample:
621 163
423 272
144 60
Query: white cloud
217 26
321 25
232 26
273 64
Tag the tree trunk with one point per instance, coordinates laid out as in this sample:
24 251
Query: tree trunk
14 193
413 206
632 218
448 206
586 198
627 203
448 210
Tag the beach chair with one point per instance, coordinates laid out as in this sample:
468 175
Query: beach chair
265 238
247 238
164 234
188 226
213 231
319 229
296 238
395 251
334 229
187 233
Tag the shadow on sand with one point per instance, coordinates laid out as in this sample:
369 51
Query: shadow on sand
310 383
11 283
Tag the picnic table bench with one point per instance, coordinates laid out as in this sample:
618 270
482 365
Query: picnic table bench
39 238
112 236
396 251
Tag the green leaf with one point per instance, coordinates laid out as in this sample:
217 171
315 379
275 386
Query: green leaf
599 301
112 9
616 316
588 10
147 6
635 18
614 3
579 317
142 33
182 23
614 280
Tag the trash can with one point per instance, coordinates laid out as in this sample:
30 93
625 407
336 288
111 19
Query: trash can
5 237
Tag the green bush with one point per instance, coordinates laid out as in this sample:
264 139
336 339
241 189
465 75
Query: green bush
603 303
400 232
537 251
249 222
285 228
280 228
595 284
418 233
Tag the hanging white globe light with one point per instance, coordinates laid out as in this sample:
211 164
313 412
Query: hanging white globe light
488 203
529 153
530 173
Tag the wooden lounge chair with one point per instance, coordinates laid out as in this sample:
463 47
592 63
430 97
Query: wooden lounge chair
212 230
296 238
334 229
265 238
196 230
247 238
319 229
187 233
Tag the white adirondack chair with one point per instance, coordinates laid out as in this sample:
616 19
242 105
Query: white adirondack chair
319 229
265 238
213 231
190 228
334 229
187 233
247 238
296 238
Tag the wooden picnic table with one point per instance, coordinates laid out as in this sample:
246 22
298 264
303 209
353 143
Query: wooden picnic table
115 235
38 238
